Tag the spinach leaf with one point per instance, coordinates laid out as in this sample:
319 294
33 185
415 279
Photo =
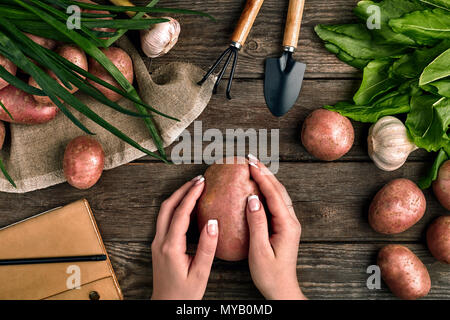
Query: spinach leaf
390 104
426 27
389 9
443 4
437 69
440 87
376 81
426 181
412 64
344 56
356 41
428 122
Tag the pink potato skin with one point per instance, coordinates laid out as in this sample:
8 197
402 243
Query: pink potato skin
441 186
227 187
23 108
438 239
10 67
403 272
327 135
83 162
46 43
122 61
70 53
2 134
396 207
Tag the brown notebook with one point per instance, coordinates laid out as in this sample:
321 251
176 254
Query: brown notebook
62 232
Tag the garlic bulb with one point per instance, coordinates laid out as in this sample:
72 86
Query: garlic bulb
158 40
389 145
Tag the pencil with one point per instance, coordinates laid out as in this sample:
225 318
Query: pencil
9 262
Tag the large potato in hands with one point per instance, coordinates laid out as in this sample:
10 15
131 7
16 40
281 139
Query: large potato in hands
83 164
122 61
396 207
438 239
441 186
10 67
327 135
403 272
227 187
23 108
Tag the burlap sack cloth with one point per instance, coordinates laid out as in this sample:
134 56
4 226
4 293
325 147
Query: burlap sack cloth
35 153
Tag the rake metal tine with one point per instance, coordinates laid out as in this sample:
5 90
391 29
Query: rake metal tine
222 72
211 70
233 69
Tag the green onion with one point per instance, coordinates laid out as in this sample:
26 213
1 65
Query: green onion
5 173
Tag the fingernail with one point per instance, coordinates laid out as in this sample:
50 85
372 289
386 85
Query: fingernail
212 227
252 158
253 165
197 178
253 203
200 181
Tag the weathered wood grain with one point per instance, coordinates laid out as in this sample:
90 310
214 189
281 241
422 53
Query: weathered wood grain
248 110
330 199
325 271
202 41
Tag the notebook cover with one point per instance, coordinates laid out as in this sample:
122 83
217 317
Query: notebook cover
66 231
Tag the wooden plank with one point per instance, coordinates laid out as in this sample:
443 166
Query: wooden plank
330 199
248 110
325 271
202 41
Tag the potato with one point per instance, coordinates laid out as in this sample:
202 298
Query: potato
327 135
46 43
438 239
396 207
23 108
441 186
83 162
72 54
2 134
10 67
403 272
98 12
122 61
225 198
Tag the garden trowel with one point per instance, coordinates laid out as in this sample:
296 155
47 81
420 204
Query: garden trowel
284 76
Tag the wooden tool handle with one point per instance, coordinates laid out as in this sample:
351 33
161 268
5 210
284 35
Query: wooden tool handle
293 23
246 20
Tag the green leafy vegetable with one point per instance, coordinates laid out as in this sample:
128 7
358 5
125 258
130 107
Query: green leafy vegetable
389 9
356 41
389 105
426 181
376 81
439 68
425 27
428 122
443 4
406 64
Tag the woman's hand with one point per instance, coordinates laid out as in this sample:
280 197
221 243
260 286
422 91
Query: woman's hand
273 258
177 275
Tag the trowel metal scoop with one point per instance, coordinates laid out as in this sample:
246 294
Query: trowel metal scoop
284 76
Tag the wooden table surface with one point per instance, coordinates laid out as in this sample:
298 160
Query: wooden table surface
330 199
